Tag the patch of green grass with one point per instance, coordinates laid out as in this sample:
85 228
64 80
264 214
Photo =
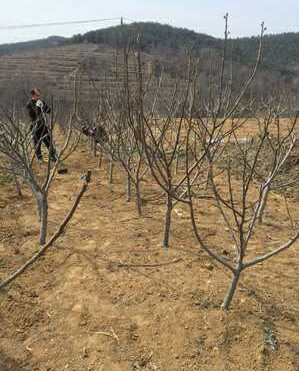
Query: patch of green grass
270 338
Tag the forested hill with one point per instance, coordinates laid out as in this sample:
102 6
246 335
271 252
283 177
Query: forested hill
152 36
280 52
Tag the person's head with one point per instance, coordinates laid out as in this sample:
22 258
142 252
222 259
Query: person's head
35 94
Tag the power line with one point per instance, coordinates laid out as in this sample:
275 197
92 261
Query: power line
130 20
32 25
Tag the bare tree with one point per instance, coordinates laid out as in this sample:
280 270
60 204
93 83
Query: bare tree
165 142
120 117
238 208
280 144
85 179
239 211
17 154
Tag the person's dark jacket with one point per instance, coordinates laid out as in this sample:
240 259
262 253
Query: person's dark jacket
98 133
35 112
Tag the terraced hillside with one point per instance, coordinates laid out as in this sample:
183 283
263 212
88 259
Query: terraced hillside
48 68
54 69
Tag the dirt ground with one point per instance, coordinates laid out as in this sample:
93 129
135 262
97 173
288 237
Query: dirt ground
76 309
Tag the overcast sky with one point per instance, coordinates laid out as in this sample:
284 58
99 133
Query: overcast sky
199 15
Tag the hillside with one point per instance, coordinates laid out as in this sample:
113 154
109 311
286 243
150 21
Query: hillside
47 68
31 45
280 53
53 70
52 62
152 36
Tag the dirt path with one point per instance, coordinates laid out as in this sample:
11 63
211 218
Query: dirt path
77 310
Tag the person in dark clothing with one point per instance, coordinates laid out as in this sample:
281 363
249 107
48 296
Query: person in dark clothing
37 110
98 133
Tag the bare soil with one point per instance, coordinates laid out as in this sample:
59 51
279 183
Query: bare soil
81 307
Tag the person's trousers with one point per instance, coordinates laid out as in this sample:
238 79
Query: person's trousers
41 134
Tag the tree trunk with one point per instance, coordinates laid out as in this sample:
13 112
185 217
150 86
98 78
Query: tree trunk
90 145
169 207
129 188
138 198
43 214
18 187
94 147
110 171
177 162
209 180
100 159
232 290
263 204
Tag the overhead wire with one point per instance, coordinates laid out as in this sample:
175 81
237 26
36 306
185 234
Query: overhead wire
33 25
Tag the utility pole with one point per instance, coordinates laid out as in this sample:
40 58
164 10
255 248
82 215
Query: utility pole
122 21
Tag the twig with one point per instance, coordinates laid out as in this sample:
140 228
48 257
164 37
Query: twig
122 265
103 333
112 335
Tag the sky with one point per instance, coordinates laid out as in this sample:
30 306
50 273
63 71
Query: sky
200 15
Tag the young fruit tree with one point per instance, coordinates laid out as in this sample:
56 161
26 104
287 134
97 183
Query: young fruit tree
239 200
17 157
164 141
